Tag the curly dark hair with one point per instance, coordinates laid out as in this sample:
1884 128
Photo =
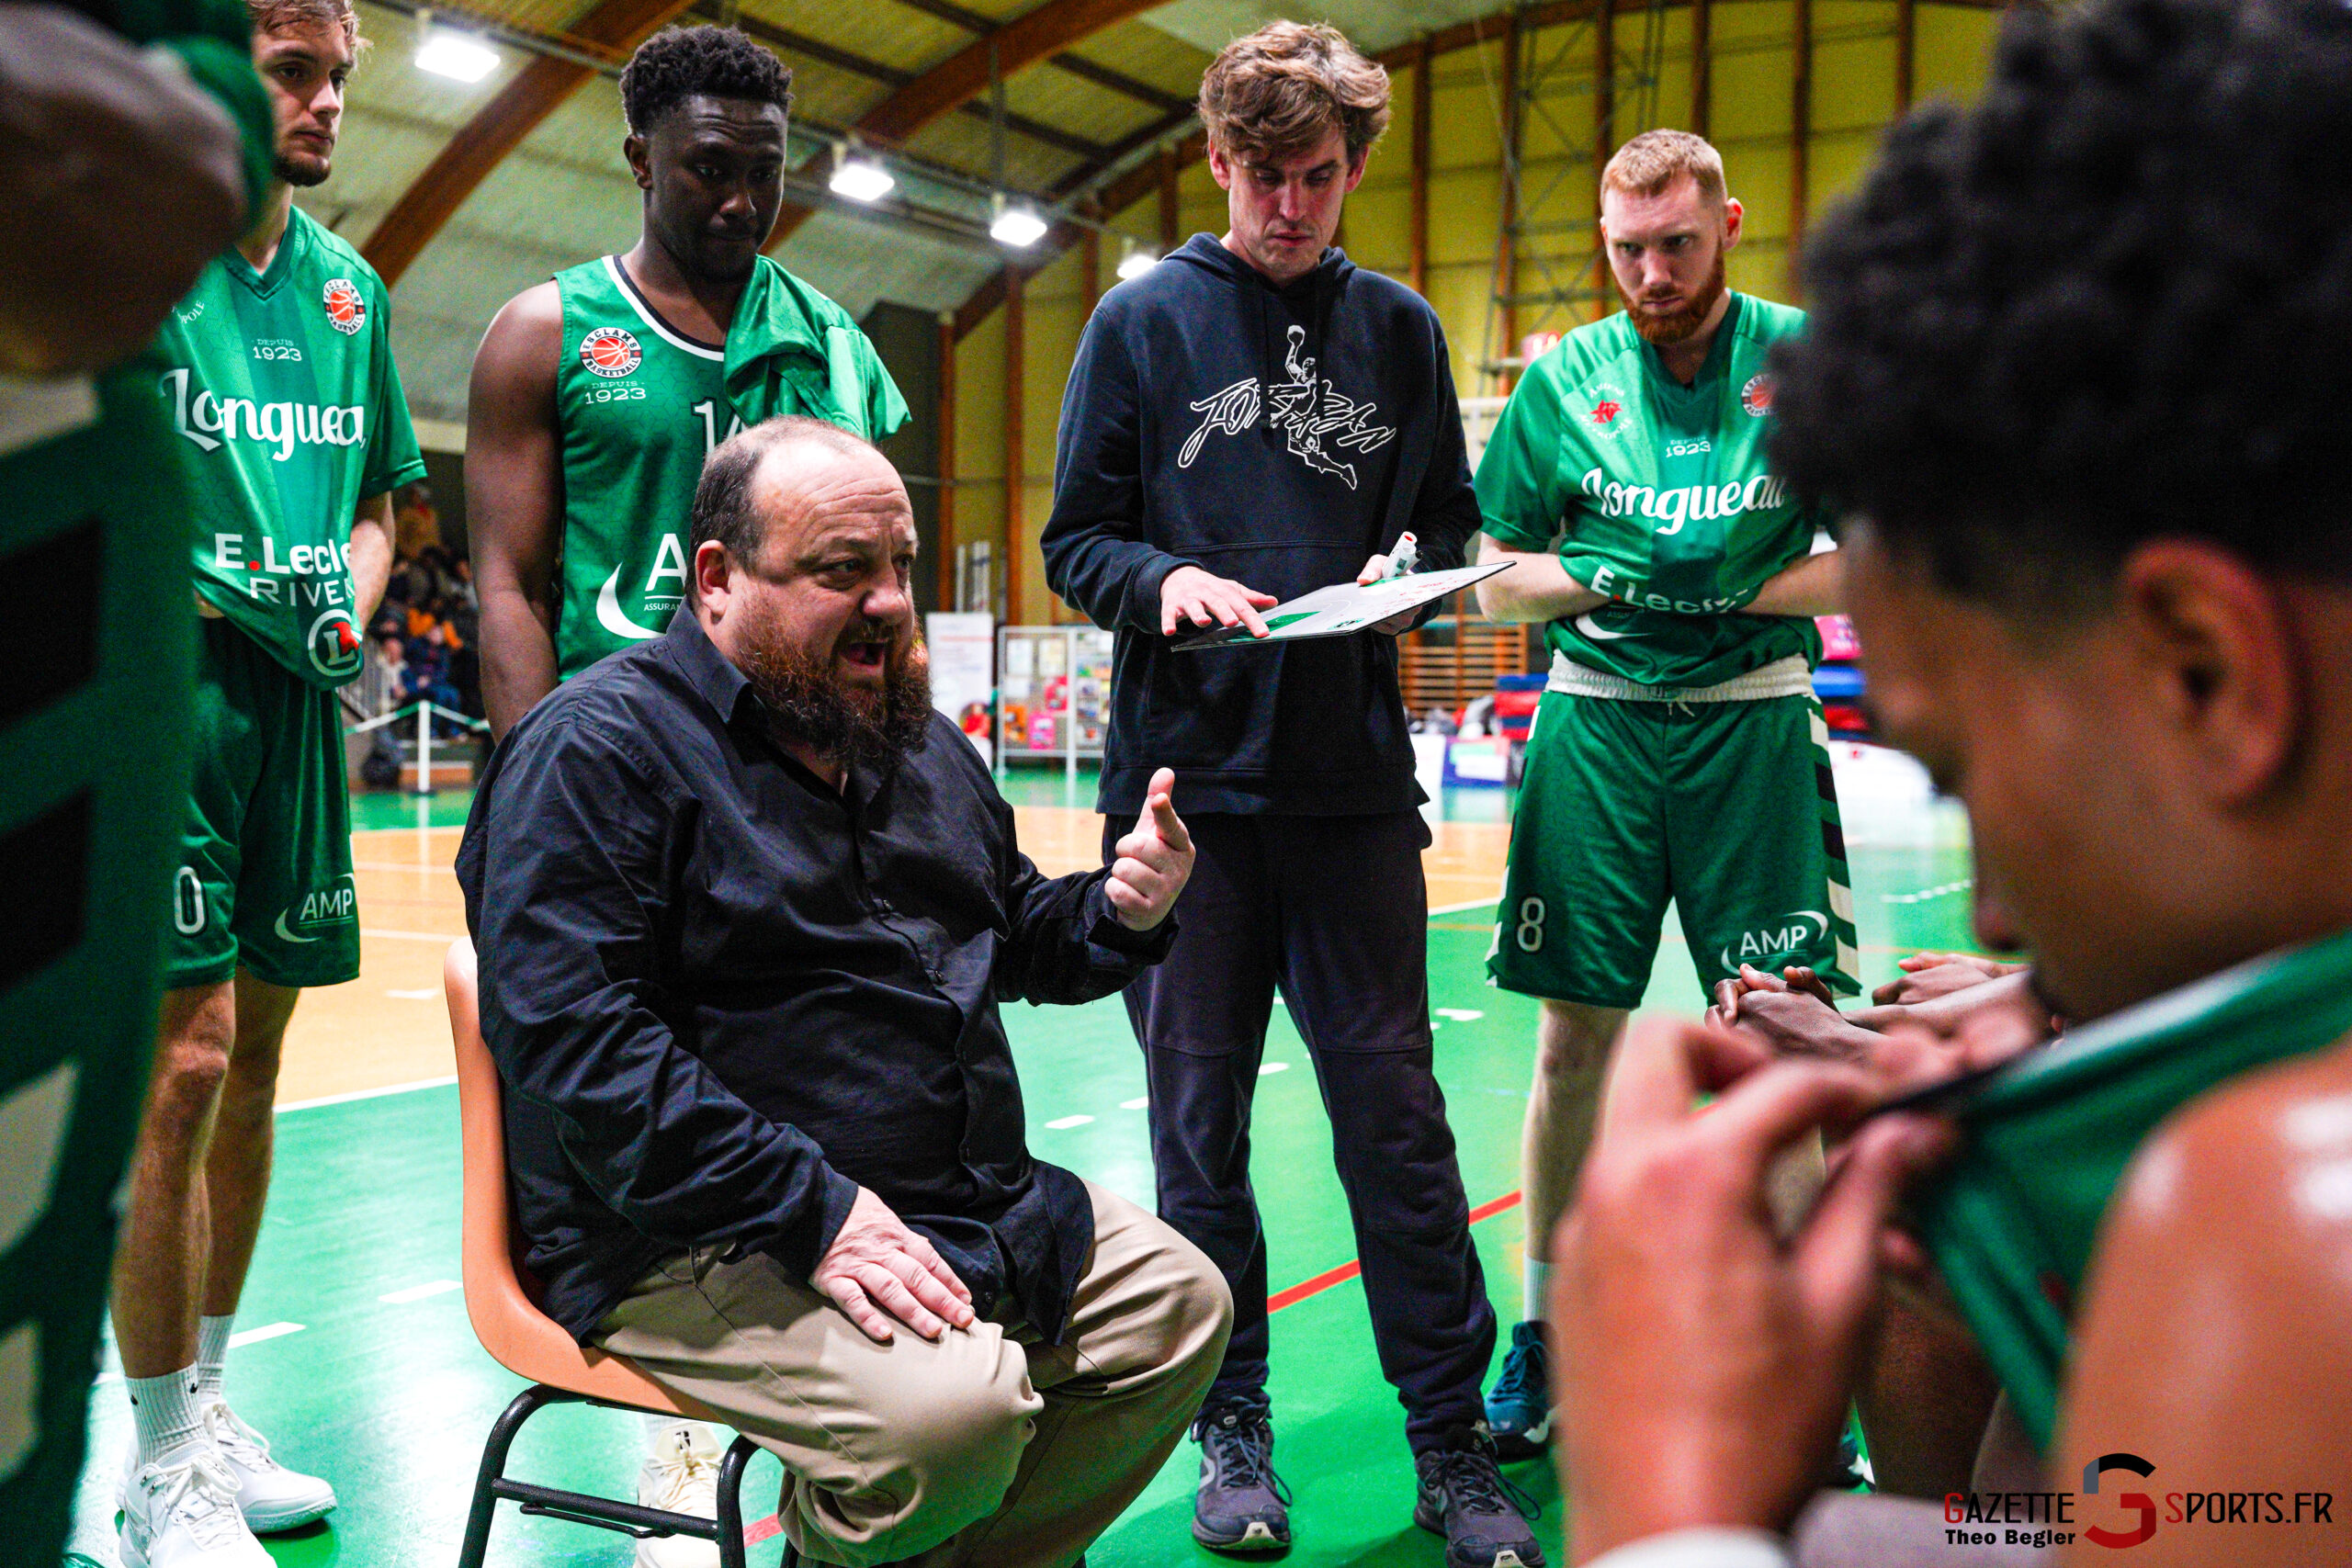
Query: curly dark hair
678 63
2109 302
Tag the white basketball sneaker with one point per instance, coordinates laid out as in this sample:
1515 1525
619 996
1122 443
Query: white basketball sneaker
680 1475
182 1513
271 1496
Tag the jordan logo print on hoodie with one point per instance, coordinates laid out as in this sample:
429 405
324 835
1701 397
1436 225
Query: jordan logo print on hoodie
1306 409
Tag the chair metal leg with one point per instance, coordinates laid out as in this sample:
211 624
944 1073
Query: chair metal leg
491 1485
527 1404
731 1502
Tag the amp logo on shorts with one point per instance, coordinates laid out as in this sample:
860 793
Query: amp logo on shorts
1798 931
610 352
329 907
346 306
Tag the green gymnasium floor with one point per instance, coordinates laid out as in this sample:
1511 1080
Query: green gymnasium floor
361 1366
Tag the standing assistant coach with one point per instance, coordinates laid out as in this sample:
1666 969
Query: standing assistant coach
1253 419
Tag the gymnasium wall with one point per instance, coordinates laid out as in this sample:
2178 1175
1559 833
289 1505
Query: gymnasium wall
1852 98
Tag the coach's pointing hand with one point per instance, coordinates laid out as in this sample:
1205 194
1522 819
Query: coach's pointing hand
1154 862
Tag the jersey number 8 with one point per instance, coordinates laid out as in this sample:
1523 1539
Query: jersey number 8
1531 925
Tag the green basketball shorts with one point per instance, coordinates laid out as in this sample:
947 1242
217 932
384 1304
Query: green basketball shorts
1726 808
265 873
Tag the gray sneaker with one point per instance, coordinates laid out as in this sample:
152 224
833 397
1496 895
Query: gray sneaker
1242 1506
1465 1499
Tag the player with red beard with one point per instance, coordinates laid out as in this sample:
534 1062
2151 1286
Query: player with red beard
1679 753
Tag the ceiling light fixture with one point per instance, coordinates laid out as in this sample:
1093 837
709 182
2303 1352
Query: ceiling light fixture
1018 225
1135 262
860 178
452 54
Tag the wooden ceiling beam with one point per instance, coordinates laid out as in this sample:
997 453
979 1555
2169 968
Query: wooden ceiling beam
1138 183
1119 82
1076 64
954 14
856 64
1157 130
483 142
964 75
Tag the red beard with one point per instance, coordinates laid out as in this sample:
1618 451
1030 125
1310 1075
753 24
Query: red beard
1680 324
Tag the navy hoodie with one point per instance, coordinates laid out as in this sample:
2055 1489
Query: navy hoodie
1277 436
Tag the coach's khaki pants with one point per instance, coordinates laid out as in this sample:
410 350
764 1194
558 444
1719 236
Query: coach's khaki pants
986 1450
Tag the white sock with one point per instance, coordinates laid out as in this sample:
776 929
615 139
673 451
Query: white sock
212 1352
1536 1305
164 1411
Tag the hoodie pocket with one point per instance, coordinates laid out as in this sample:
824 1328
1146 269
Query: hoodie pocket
1214 709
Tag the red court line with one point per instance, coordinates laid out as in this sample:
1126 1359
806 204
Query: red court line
755 1533
1350 1269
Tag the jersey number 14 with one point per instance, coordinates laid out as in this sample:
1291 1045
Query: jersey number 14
708 409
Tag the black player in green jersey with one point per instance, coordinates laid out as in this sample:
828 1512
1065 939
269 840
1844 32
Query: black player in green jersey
2102 562
597 395
1679 753
109 109
287 412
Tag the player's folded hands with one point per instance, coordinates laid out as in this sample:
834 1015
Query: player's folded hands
1685 1325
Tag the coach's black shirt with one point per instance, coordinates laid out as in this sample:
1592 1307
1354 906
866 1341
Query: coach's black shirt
723 996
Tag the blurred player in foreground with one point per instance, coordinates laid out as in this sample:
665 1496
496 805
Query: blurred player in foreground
92 127
2074 358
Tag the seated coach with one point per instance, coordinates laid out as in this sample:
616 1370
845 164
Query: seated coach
745 908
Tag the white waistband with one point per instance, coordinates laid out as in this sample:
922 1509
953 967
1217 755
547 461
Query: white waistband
1789 677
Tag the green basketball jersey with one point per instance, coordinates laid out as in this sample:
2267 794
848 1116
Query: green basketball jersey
282 389
1657 494
2012 1221
640 405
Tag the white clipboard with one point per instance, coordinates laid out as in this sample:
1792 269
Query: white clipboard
1345 607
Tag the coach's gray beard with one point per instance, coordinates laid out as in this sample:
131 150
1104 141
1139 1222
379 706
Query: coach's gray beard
804 703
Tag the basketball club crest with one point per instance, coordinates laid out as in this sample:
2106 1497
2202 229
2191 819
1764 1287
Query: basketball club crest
346 306
1756 395
610 351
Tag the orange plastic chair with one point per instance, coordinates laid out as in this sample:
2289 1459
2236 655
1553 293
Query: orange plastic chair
501 1300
